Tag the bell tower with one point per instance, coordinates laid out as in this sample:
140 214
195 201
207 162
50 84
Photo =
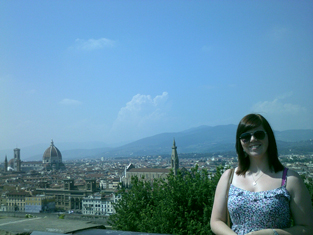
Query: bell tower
174 158
17 159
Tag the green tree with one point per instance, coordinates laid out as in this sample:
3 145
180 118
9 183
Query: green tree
180 204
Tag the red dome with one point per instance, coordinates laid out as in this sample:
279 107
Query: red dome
52 154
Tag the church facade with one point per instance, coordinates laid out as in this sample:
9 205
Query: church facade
149 174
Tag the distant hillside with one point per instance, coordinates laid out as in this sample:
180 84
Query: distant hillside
202 139
206 139
294 135
301 147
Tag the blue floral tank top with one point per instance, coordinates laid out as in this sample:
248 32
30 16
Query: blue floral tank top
253 211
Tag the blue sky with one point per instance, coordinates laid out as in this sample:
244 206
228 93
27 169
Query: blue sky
118 71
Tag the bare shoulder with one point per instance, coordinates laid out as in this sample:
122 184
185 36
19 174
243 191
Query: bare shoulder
221 189
224 178
293 176
292 173
294 181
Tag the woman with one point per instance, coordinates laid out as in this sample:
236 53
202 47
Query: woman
264 195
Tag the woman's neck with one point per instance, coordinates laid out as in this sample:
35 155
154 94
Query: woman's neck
259 165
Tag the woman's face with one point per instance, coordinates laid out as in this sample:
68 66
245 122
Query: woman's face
256 144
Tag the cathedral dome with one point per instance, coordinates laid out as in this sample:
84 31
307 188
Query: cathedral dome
52 155
11 163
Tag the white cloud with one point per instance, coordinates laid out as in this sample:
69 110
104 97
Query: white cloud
284 115
142 106
141 116
92 44
277 107
70 102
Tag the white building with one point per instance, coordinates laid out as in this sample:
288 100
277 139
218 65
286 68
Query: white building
112 183
97 205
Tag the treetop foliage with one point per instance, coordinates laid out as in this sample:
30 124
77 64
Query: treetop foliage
180 204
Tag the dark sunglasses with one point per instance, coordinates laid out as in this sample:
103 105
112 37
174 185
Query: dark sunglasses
246 137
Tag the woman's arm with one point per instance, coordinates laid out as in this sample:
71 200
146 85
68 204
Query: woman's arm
300 206
218 216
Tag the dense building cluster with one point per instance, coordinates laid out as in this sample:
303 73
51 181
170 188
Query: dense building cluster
89 186
83 186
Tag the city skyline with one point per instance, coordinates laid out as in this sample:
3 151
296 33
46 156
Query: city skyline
118 71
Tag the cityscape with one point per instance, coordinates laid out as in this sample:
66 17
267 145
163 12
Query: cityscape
89 187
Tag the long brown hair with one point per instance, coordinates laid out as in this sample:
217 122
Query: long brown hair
247 123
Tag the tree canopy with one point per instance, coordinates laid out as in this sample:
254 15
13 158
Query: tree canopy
180 204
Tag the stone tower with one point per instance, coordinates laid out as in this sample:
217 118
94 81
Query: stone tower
174 158
17 159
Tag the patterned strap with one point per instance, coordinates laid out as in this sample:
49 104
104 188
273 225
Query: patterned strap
284 177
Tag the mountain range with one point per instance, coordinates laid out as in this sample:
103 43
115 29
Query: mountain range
202 139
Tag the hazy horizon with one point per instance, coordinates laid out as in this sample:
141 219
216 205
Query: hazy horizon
91 148
118 71
100 144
